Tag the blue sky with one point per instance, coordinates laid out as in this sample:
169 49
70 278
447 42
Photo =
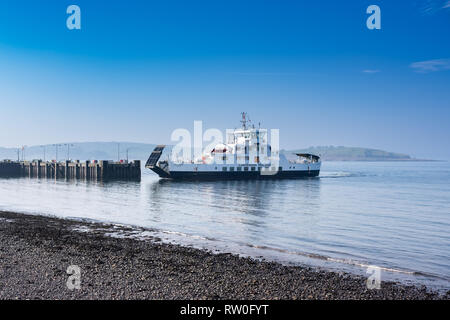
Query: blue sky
139 69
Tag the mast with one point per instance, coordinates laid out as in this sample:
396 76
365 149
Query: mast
244 120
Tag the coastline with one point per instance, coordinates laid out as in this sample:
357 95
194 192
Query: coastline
37 250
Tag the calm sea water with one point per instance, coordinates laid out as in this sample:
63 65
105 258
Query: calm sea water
395 215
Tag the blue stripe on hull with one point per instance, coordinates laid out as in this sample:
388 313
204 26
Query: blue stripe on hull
241 175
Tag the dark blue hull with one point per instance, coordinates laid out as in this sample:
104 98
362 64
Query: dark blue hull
240 175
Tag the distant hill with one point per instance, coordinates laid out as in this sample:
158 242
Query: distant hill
83 151
332 153
141 151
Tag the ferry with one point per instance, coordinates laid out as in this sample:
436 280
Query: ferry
246 155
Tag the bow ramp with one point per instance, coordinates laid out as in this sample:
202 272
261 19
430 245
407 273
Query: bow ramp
152 162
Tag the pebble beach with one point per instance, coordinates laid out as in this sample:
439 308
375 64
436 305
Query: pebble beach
36 252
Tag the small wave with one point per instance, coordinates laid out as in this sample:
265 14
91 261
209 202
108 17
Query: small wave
304 254
365 265
82 229
340 174
186 235
336 260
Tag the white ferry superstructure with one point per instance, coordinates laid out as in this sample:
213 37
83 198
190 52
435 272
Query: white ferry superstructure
246 155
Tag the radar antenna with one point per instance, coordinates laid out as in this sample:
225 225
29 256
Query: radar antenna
245 120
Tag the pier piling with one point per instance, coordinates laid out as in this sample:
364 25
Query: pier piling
96 170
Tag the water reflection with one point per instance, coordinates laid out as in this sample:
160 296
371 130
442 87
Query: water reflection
240 208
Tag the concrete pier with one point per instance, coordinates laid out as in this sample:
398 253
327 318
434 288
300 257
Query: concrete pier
95 170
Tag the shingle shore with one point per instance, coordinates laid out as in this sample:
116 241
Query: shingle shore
35 252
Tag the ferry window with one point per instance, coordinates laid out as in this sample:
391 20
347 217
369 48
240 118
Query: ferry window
253 168
245 168
224 169
280 169
239 169
215 168
231 168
